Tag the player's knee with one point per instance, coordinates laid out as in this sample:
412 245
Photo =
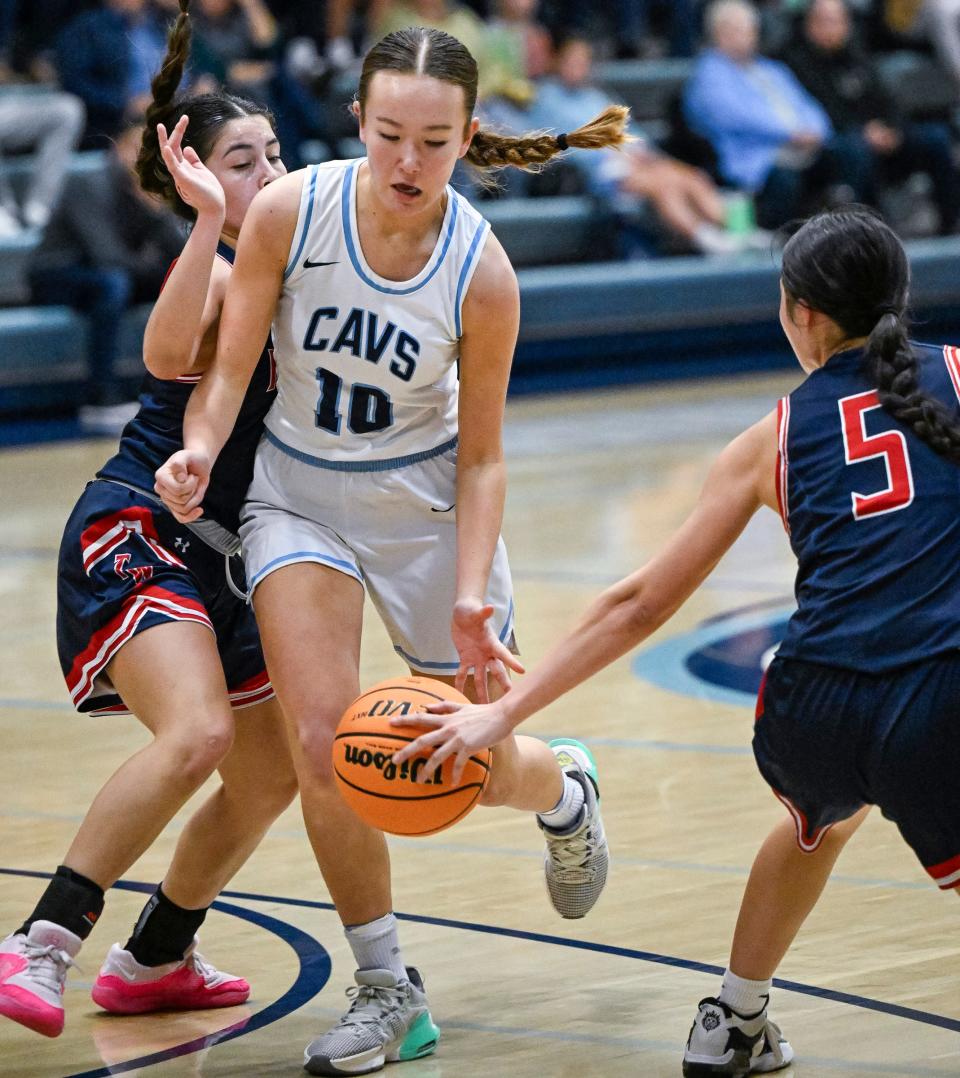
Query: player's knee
315 740
199 752
500 789
273 795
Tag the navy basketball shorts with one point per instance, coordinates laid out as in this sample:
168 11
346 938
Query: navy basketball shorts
829 741
126 565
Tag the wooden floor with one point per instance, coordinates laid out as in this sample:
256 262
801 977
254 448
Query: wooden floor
596 482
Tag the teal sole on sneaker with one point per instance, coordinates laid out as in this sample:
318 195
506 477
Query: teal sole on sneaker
420 1040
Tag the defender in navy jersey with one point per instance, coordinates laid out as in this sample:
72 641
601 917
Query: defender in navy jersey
394 314
860 702
126 564
147 622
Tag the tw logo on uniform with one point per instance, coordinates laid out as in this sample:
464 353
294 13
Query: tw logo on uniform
138 573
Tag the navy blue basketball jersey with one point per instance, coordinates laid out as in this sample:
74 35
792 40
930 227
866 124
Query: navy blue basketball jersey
873 515
157 431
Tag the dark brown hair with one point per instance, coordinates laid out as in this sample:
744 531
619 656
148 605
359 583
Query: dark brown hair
849 265
421 50
209 114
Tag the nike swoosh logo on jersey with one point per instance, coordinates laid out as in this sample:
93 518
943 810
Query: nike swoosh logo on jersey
307 264
447 510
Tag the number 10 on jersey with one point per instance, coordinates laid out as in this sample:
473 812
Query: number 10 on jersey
368 408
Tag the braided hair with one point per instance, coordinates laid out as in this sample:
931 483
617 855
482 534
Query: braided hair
422 50
208 113
849 265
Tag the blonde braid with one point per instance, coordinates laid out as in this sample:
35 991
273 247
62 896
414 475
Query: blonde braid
532 151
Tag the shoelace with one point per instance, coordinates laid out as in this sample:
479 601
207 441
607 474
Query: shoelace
49 964
571 855
370 1005
209 973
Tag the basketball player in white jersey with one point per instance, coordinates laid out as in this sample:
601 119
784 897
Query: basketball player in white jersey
380 470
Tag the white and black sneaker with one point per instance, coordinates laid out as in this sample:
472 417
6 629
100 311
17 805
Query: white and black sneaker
576 860
724 1042
388 1022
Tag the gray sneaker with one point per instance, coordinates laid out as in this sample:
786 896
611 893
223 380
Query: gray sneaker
576 861
726 1043
388 1021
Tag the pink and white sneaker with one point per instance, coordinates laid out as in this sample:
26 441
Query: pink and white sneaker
33 972
126 987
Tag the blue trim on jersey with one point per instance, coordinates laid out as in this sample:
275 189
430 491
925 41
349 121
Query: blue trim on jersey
452 668
346 194
306 556
306 223
465 269
387 465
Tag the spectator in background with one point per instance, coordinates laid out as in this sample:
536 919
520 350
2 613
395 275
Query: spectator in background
769 134
875 141
101 255
518 49
630 24
237 40
660 202
455 19
937 21
48 125
107 57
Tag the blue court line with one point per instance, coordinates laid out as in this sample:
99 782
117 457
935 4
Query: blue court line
864 1002
315 966
313 974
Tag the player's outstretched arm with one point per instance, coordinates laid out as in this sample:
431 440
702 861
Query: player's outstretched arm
248 306
741 480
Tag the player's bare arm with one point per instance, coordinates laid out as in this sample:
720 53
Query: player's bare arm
248 306
490 319
738 484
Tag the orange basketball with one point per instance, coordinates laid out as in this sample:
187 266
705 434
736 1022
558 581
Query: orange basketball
384 795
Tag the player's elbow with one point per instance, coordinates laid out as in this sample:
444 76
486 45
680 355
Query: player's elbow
630 613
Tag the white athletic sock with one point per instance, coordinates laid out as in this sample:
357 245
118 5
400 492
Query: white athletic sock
376 945
566 812
745 997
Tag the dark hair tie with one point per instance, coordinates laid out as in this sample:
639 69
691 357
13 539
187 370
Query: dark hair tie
562 141
888 308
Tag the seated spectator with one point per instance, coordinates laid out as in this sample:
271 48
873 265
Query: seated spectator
875 141
770 136
236 38
48 126
107 57
101 256
662 203
632 24
518 48
936 21
456 19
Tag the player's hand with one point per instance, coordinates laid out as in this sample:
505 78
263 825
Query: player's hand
182 483
481 653
459 730
195 183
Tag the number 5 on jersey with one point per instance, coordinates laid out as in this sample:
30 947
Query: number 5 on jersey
891 445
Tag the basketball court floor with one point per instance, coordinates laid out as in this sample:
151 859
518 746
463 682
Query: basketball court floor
597 481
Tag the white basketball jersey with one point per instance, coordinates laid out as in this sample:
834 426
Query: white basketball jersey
367 366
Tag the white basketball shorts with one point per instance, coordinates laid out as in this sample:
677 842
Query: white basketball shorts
389 524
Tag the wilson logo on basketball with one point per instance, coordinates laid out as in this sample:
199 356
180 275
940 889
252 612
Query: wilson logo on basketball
388 708
408 770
